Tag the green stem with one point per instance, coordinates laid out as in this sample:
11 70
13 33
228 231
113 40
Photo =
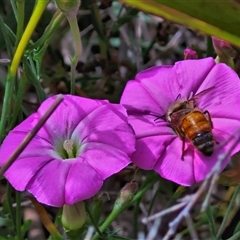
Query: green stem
8 36
10 205
236 236
97 22
211 222
50 30
34 81
235 194
91 218
18 215
18 100
144 189
107 222
78 48
14 8
6 105
135 217
148 49
210 49
152 201
20 19
150 181
176 195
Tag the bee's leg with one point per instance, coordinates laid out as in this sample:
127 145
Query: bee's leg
183 148
210 120
182 136
209 117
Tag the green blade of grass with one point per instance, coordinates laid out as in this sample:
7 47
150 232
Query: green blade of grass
200 15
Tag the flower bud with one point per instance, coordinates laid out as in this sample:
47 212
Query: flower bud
221 47
224 51
73 216
126 194
190 54
69 7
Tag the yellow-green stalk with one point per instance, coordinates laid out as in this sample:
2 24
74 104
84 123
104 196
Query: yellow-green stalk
70 9
37 13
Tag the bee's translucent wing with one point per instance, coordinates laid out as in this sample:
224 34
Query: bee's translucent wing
202 93
176 117
196 97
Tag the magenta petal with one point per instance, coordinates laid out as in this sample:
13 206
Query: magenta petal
189 75
140 94
106 142
226 93
226 127
112 130
33 149
156 88
23 170
64 182
105 159
172 167
85 178
16 135
68 114
148 125
148 150
152 139
133 95
48 183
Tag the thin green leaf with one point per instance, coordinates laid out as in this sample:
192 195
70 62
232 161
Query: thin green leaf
210 49
98 26
6 32
237 229
34 81
200 15
233 199
14 7
25 227
130 13
235 236
19 99
18 215
211 222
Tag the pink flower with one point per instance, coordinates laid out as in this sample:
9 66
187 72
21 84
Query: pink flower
82 143
151 94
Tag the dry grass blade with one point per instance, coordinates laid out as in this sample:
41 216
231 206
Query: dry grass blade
31 135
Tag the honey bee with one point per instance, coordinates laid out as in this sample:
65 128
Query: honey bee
190 123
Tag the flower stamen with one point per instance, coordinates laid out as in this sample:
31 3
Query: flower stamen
68 146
